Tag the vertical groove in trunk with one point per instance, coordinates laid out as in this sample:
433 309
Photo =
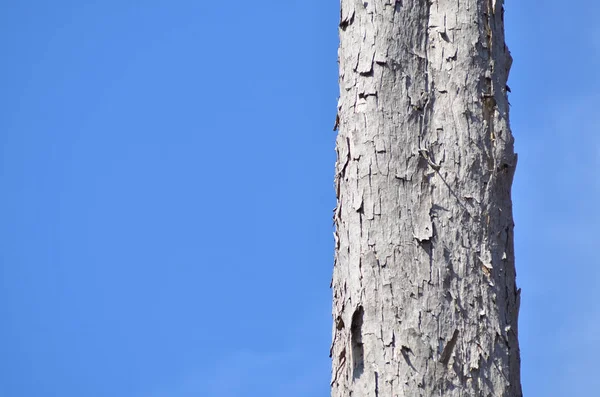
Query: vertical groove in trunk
424 295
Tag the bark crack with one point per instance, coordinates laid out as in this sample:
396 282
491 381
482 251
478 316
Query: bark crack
358 353
447 352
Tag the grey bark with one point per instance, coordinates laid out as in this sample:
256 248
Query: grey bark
424 295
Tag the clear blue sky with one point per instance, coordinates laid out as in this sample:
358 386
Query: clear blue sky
166 194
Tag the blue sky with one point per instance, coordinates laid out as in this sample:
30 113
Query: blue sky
166 173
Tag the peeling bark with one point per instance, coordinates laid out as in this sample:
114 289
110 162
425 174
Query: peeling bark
424 295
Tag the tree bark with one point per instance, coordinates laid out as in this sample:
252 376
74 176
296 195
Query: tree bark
424 295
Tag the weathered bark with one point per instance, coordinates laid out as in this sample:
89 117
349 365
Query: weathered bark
424 295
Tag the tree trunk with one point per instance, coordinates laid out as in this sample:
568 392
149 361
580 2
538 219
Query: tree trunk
424 295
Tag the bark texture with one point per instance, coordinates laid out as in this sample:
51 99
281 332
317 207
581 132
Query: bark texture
424 295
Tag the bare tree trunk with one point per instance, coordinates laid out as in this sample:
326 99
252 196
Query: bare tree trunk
424 294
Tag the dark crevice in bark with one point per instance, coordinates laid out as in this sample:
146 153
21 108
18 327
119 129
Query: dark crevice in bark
405 353
345 22
398 5
447 352
339 323
427 246
358 354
